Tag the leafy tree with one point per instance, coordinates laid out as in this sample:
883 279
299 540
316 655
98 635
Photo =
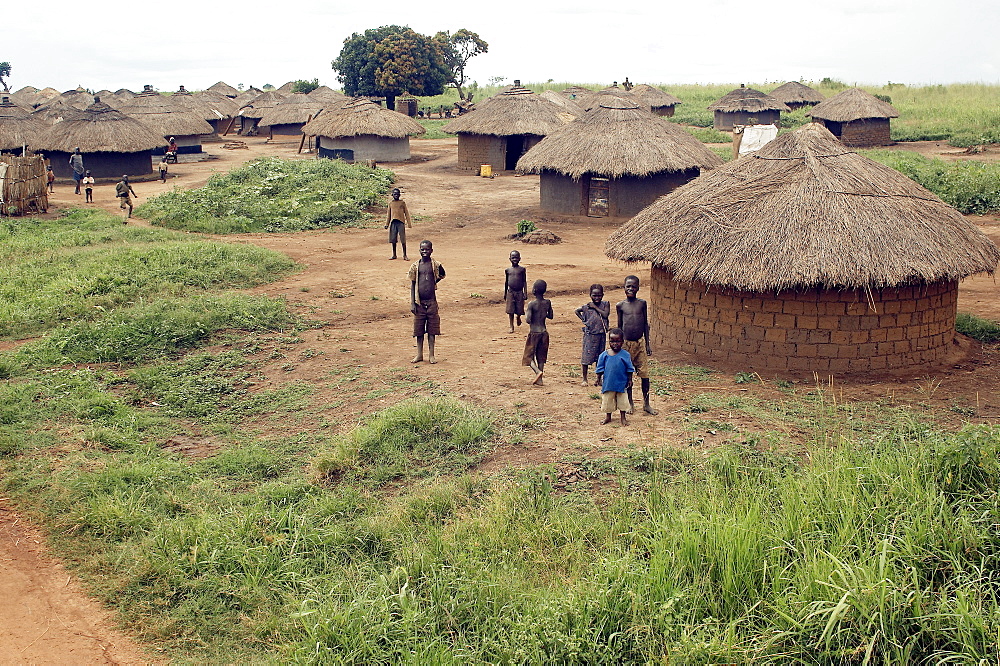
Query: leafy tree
457 50
305 86
4 72
389 61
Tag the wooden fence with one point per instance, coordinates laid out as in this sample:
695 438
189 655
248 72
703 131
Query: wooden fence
23 186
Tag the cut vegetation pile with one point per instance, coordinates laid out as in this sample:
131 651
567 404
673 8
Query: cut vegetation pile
273 195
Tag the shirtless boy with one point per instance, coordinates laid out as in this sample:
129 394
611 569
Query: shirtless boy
634 322
424 275
396 220
536 347
515 289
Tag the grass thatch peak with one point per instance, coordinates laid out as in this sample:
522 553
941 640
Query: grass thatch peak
794 92
853 104
746 99
514 111
99 129
362 117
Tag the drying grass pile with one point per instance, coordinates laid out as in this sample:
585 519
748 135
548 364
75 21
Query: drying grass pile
272 195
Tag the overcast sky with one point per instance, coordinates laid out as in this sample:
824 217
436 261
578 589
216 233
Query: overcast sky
196 43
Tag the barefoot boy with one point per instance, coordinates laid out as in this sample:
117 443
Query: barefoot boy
515 289
595 328
88 187
614 373
124 191
634 322
424 275
396 220
536 347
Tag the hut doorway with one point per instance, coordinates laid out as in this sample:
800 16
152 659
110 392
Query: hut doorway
598 190
513 150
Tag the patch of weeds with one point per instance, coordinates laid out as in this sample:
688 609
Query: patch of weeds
341 294
746 377
984 330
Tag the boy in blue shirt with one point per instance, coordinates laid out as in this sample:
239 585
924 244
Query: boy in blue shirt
614 371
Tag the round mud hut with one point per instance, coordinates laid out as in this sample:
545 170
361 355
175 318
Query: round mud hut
504 127
363 130
285 120
857 118
168 117
742 105
795 95
659 102
112 143
614 161
18 127
805 257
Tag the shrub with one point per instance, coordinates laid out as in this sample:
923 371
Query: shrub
983 330
971 187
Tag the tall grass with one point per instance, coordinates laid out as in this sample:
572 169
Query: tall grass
971 187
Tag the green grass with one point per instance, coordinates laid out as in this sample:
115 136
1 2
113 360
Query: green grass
433 127
981 329
971 187
269 194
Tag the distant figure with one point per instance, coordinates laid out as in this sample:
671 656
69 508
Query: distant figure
50 178
76 163
88 187
397 218
614 373
536 347
172 149
124 191
626 84
594 316
424 275
633 319
163 166
515 289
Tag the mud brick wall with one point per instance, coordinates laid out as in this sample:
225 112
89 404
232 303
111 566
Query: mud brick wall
826 331
865 133
475 150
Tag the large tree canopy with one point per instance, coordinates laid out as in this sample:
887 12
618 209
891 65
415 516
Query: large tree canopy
389 61
457 50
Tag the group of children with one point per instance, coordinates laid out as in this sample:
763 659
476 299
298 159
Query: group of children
619 352
87 181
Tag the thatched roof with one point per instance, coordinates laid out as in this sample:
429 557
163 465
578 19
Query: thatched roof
794 92
327 94
77 99
26 96
568 105
618 139
853 104
749 100
286 89
593 100
805 212
10 109
363 117
296 108
124 93
223 88
165 116
54 110
514 111
17 125
653 97
576 92
96 129
47 93
256 107
214 106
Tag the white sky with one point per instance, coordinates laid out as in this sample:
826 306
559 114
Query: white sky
167 43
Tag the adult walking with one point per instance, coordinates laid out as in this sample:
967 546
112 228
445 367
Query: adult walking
76 164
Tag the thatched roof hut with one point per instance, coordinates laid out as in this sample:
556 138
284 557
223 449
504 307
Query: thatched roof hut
577 93
47 93
112 143
328 94
504 127
253 110
17 126
746 106
857 118
26 97
224 89
54 110
803 257
363 130
796 95
169 118
569 106
286 89
659 102
219 110
614 161
289 116
77 98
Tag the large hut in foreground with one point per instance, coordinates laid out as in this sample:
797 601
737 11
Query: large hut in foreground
805 257
795 95
857 118
363 130
659 102
112 143
504 127
614 161
743 105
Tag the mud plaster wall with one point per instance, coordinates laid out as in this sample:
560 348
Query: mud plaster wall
559 193
475 150
862 133
104 165
665 111
815 330
370 147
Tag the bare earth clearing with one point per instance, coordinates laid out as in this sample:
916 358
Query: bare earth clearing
358 359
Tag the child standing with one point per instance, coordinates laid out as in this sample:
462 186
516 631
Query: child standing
536 347
396 220
633 319
595 328
424 275
163 169
515 289
88 187
614 372
50 178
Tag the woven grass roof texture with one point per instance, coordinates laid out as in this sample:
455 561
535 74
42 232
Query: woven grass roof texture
167 116
618 139
653 97
749 100
514 111
17 126
99 129
794 92
223 88
804 212
362 117
853 104
296 108
260 103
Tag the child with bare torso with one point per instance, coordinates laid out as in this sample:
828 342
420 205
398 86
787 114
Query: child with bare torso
424 275
633 319
536 347
515 289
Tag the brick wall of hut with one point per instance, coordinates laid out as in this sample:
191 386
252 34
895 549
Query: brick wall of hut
665 111
826 331
862 133
725 121
475 150
559 193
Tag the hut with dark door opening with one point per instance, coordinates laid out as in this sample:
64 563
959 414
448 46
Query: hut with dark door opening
168 117
286 119
805 257
112 143
614 161
362 130
659 102
504 127
795 95
857 118
742 105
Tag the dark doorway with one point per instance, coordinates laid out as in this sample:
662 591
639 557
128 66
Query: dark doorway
514 150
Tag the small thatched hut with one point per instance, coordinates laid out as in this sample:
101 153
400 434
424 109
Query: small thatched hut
18 127
362 130
805 257
286 89
744 104
857 118
219 110
795 95
594 99
288 117
26 97
659 102
614 161
328 94
504 127
223 88
251 112
112 143
168 118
